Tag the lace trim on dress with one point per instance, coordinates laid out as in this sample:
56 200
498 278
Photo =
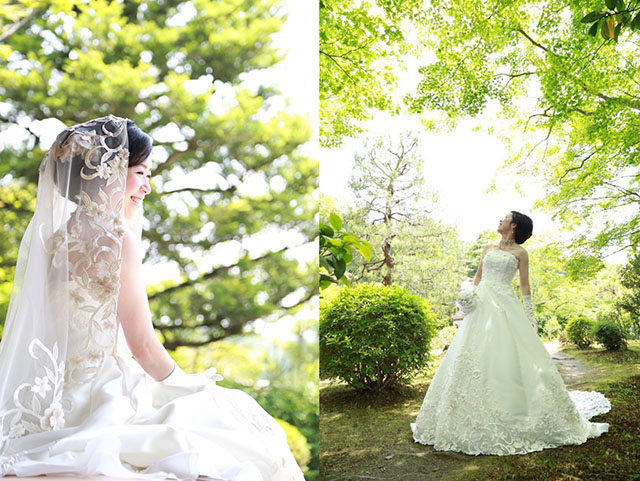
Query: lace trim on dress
452 419
590 403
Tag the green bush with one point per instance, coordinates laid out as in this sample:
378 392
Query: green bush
297 444
579 331
374 337
443 337
609 335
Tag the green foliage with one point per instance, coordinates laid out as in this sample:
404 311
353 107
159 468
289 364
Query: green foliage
629 302
609 335
355 39
580 136
426 254
612 20
181 78
17 203
374 337
443 337
297 444
473 253
579 331
336 251
558 296
412 250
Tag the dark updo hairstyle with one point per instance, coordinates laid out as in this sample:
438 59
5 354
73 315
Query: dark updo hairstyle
524 226
67 175
139 144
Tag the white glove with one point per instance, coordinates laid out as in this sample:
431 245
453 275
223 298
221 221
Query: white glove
528 308
179 384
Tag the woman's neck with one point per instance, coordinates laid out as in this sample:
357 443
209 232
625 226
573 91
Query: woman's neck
507 241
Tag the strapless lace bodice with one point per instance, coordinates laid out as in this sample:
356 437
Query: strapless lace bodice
499 267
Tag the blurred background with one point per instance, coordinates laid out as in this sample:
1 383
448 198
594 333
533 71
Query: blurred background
228 91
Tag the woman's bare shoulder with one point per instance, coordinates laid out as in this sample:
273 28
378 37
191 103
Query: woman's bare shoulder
520 252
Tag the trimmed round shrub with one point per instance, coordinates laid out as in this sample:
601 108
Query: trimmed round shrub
579 331
609 335
374 337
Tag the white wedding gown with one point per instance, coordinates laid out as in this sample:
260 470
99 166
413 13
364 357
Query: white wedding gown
497 390
124 424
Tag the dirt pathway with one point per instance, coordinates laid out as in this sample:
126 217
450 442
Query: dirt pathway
572 371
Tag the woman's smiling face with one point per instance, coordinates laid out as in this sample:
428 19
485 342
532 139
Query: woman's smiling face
137 187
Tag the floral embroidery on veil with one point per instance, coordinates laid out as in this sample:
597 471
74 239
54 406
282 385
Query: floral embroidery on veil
79 219
39 404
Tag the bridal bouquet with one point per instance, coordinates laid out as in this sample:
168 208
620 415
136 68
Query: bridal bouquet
467 300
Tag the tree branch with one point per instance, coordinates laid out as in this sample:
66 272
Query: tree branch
17 25
229 190
532 40
217 271
577 167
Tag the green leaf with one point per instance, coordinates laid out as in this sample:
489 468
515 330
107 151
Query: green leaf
608 28
335 242
635 23
350 239
324 263
341 267
326 281
620 5
592 17
348 256
617 31
335 221
611 4
326 231
339 252
330 261
593 31
365 250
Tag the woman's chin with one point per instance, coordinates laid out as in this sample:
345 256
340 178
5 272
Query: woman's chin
130 210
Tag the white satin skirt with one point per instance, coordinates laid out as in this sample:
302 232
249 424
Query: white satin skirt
125 424
497 390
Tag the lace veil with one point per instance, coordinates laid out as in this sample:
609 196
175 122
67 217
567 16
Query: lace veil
61 321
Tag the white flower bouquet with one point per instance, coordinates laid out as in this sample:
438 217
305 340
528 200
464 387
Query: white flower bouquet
467 300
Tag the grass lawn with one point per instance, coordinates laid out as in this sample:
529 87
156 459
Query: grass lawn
367 437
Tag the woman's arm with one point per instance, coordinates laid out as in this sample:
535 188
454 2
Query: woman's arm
525 289
478 277
135 316
523 266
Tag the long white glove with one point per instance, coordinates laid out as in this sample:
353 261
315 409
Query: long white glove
528 308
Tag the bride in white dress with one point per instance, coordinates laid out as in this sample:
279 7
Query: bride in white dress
497 390
72 398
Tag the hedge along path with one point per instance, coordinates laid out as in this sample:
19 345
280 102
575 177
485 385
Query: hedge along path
372 440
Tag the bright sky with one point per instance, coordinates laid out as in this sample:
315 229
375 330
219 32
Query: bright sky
460 166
